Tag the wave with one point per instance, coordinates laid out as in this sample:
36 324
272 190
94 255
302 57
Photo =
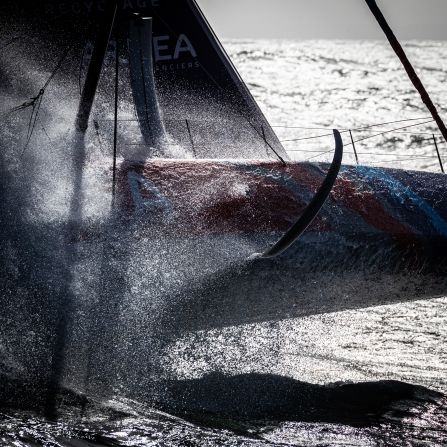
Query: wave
243 405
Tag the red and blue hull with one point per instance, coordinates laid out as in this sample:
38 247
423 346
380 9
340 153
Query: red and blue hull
381 237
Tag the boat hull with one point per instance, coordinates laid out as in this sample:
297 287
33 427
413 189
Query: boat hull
381 238
100 300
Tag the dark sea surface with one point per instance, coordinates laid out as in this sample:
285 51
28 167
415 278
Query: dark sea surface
374 377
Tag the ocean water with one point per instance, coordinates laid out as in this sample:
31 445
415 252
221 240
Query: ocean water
374 377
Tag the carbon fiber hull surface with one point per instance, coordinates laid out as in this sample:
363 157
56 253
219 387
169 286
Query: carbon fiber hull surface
380 238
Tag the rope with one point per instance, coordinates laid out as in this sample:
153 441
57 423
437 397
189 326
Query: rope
36 102
390 131
46 133
406 159
310 138
373 136
361 139
33 119
377 154
358 128
411 72
130 120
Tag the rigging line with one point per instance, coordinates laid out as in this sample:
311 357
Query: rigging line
394 122
46 133
32 101
408 159
245 91
391 154
415 140
415 134
58 66
36 102
422 157
32 124
265 140
353 147
167 144
311 138
376 154
397 132
361 139
318 155
358 128
241 114
191 139
438 154
391 135
33 116
122 120
411 72
306 150
390 131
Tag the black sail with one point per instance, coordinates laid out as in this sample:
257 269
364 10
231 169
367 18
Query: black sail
204 103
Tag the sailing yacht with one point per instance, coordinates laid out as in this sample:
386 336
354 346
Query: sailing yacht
211 224
330 237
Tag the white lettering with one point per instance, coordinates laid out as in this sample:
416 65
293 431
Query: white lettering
184 46
89 6
163 49
139 4
158 48
157 202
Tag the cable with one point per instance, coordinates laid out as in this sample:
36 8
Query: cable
33 120
390 131
406 159
311 138
358 128
360 153
36 102
361 139
376 135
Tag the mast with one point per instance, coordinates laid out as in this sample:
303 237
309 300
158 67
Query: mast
95 66
400 52
143 84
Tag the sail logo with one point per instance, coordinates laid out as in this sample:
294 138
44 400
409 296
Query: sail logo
87 7
147 198
167 49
